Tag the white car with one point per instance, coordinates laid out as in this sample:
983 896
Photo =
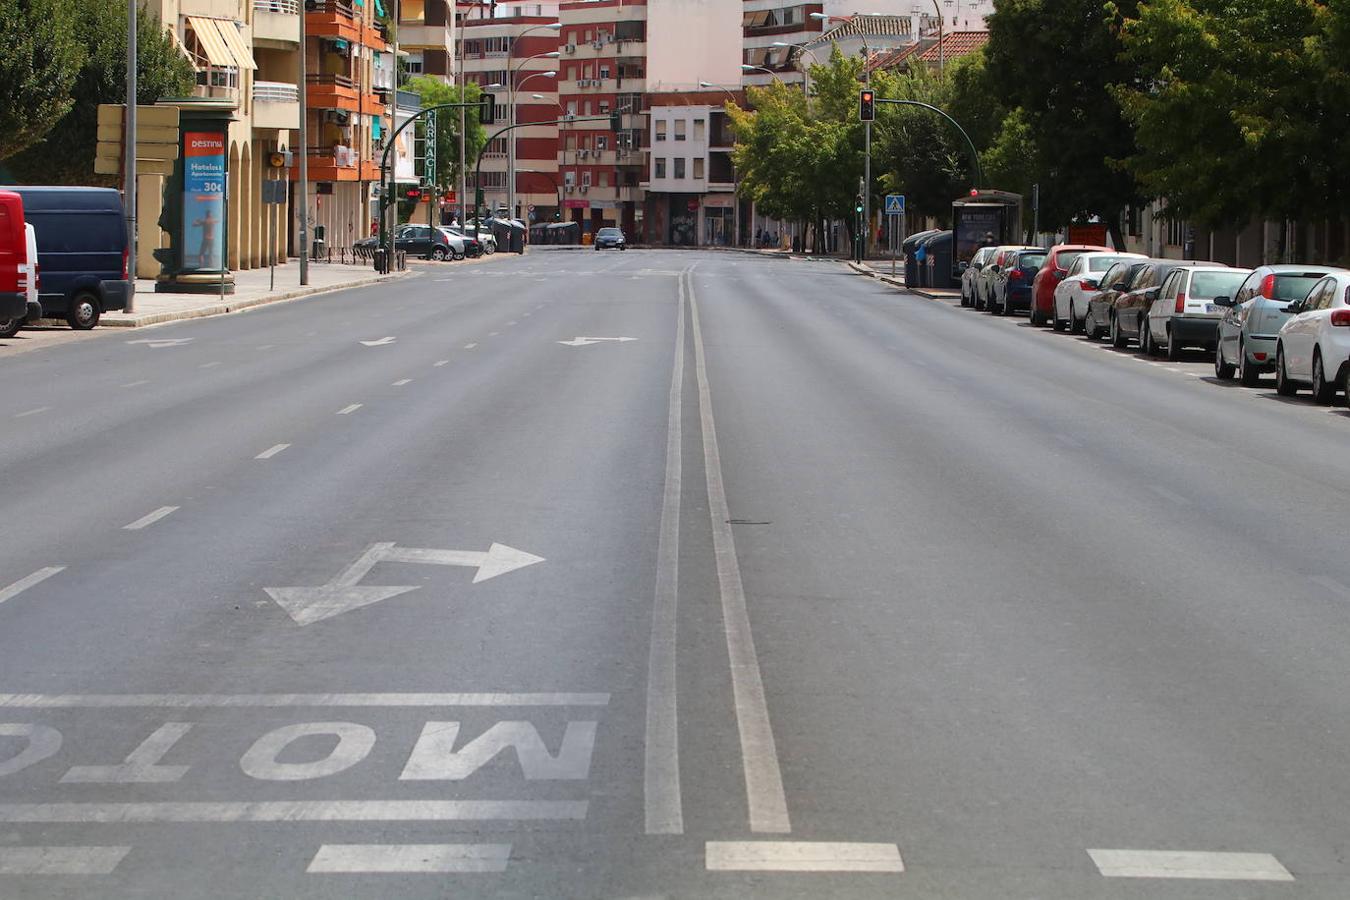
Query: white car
1083 279
485 237
1184 313
1314 343
456 242
29 279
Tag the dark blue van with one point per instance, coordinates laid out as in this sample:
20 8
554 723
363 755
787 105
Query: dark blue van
82 249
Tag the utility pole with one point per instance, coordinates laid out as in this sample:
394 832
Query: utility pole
867 157
129 156
302 183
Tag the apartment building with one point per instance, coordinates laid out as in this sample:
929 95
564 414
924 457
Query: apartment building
779 39
608 64
691 180
426 37
514 54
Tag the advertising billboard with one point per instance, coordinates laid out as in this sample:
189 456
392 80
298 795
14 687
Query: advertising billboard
203 240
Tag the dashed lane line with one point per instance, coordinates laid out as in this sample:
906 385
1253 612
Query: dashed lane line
271 451
348 410
25 583
32 412
401 382
210 365
441 362
150 518
132 384
469 346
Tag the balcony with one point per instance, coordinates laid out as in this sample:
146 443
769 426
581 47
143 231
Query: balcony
333 19
336 163
332 92
276 104
276 22
414 34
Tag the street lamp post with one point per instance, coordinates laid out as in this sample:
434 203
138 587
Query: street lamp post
806 70
745 67
941 49
735 176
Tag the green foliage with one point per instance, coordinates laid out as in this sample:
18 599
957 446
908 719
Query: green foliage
433 92
38 66
917 152
66 156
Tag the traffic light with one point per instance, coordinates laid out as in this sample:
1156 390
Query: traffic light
867 106
487 111
858 204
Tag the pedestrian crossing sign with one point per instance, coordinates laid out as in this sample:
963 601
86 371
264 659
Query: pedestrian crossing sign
895 204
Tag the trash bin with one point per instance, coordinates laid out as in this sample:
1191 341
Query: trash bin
317 247
908 249
938 248
381 257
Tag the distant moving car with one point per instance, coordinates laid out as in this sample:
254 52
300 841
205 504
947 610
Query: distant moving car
82 248
1184 314
971 271
1055 270
1116 281
1250 329
1083 279
1012 285
1313 348
610 237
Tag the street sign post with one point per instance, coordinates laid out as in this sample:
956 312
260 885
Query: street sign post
273 194
895 224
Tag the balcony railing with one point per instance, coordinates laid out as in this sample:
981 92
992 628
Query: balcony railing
333 7
343 157
275 92
283 7
342 81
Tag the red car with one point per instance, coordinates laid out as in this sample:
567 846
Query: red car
1051 274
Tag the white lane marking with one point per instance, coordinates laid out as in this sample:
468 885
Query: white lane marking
801 856
150 518
273 701
469 346
25 583
271 451
1189 864
210 365
348 410
765 798
410 858
493 333
527 315
132 384
401 382
60 860
141 765
441 362
382 342
512 322
661 774
266 346
1331 584
32 412
294 811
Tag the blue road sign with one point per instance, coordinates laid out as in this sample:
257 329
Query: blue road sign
895 204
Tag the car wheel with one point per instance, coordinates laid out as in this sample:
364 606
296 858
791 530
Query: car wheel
1076 326
1035 315
1283 386
1345 386
1223 369
438 253
1056 322
83 313
489 249
1173 347
456 255
1146 345
1118 340
10 328
1247 374
1323 391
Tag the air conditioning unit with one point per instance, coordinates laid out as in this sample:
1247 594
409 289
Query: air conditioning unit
585 188
570 48
583 153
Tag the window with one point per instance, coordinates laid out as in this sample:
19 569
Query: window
700 128
601 142
679 167
604 179
660 167
571 142
412 64
585 179
586 108
571 107
679 129
604 71
698 168
570 178
586 72
604 106
660 129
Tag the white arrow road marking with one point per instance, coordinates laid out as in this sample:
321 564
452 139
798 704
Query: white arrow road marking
307 605
156 343
380 343
584 341
24 584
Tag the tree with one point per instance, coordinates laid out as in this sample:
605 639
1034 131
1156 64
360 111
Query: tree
41 59
1060 61
66 156
1226 112
433 92
919 153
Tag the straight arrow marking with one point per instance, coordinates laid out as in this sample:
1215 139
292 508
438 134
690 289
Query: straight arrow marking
580 341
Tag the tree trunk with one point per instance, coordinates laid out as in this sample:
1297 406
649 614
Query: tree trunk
1113 229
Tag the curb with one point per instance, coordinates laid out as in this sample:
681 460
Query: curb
220 309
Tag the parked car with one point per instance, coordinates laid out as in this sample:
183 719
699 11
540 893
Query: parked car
1184 313
1129 311
1313 348
456 242
1055 270
473 248
1250 329
971 271
423 241
610 237
984 282
1012 285
30 281
1083 279
82 248
1116 281
13 263
483 234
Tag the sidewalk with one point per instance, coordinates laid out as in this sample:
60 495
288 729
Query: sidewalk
251 288
883 274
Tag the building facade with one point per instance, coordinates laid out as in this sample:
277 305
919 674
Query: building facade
690 184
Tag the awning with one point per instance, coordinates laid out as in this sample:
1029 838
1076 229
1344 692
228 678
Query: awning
222 43
755 19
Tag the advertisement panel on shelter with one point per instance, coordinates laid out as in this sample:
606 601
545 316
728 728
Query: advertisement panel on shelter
203 201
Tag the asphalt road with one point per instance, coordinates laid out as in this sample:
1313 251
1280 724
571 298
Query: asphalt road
807 589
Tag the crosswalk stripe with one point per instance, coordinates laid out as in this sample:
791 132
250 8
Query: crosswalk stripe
1189 864
801 856
410 858
60 860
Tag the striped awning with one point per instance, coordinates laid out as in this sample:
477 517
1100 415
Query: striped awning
230 32
220 39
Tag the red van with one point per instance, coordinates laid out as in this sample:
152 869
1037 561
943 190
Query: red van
13 258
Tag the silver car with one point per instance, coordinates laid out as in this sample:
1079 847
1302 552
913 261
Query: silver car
971 273
1250 328
1184 313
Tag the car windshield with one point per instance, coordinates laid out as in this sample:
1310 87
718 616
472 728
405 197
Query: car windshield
610 233
1031 262
1295 287
1102 263
1206 285
1066 257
